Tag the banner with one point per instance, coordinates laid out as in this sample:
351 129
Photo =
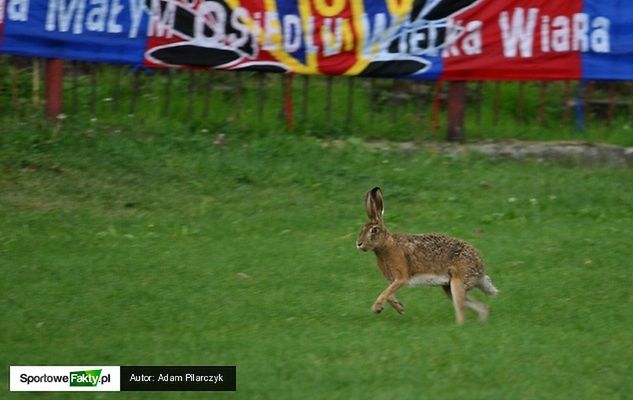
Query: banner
413 39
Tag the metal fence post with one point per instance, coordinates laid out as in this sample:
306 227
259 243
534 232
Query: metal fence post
287 101
455 111
54 83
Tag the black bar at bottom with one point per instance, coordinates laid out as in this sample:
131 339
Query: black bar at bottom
179 378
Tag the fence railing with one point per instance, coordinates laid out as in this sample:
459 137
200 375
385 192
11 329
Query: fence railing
392 109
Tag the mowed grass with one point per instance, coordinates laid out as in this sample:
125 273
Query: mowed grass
120 246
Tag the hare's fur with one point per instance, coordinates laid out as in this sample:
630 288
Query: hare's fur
423 260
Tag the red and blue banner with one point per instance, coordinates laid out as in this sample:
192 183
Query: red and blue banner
415 39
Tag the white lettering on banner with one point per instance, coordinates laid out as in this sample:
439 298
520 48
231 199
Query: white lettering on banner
581 29
17 10
137 9
600 35
60 14
545 33
466 39
92 15
161 24
211 15
115 10
375 34
311 48
402 39
237 22
472 43
332 38
416 39
523 31
453 31
96 17
518 35
271 31
561 33
292 33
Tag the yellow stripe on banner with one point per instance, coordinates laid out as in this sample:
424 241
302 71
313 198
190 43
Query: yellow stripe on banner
361 58
330 10
233 4
348 36
271 7
398 8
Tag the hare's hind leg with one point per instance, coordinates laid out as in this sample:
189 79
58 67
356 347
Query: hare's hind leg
479 308
396 304
458 292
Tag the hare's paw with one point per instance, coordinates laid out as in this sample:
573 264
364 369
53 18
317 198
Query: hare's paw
399 307
484 314
377 307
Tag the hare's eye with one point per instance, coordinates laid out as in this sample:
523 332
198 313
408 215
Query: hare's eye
374 229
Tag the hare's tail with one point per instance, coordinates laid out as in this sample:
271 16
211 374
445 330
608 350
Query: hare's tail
486 286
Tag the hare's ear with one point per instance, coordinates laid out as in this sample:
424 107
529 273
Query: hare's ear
374 204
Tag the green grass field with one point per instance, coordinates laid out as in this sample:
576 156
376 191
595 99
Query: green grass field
121 246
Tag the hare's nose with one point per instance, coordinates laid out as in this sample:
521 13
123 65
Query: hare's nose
359 245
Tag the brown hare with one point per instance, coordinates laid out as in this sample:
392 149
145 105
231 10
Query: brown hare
423 260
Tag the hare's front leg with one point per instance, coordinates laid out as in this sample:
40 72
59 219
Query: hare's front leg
379 304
